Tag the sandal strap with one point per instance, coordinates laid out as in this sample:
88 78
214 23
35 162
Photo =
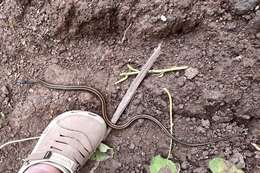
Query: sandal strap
57 160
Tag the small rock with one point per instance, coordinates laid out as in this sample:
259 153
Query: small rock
140 123
238 160
254 128
200 170
181 106
238 58
190 73
248 153
256 76
258 35
185 165
143 154
248 62
86 98
181 81
2 119
244 6
163 18
205 154
194 109
213 95
205 123
201 130
231 26
132 146
54 60
115 164
5 90
243 116
184 3
257 154
4 60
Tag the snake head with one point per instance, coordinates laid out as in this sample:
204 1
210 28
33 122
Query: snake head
23 82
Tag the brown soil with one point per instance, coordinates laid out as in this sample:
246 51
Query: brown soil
79 42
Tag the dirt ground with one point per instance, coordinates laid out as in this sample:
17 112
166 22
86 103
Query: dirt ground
80 42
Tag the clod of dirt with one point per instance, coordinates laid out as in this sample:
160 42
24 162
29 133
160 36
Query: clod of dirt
185 165
244 6
56 74
5 90
238 160
256 170
184 3
181 81
64 18
256 76
213 95
87 98
254 24
200 170
132 146
190 73
254 128
194 109
115 164
201 130
2 119
248 62
205 123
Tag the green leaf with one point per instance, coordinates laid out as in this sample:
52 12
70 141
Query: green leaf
102 153
219 165
161 165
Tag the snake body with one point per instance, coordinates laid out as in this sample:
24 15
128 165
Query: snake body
102 99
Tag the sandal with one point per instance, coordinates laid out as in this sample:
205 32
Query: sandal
68 141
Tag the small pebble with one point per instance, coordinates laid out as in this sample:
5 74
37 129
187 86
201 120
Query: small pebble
205 123
132 146
193 119
201 129
258 35
190 73
216 118
163 18
181 106
54 60
257 154
181 81
205 153
238 160
248 62
5 90
200 170
185 165
242 7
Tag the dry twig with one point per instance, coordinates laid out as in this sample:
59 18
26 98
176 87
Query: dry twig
134 85
17 141
124 36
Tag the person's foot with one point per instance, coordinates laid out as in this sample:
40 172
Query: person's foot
42 168
66 144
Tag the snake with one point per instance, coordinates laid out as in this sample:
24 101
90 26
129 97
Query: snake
112 125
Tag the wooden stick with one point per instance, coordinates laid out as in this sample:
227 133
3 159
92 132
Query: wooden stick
134 85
